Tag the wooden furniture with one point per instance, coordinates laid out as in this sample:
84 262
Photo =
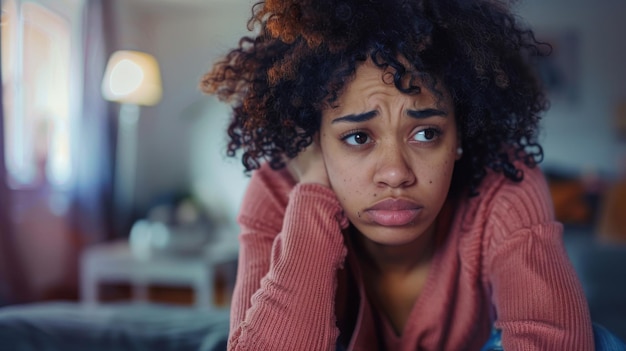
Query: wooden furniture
612 226
115 262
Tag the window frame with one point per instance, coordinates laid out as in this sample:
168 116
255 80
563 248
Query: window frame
71 12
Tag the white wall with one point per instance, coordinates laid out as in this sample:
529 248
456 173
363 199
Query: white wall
579 136
182 138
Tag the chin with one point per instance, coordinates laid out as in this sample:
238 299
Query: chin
390 236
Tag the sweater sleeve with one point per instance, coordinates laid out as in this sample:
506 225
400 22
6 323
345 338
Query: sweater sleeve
290 250
539 301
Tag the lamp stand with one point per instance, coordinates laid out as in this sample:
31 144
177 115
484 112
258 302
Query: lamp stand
125 167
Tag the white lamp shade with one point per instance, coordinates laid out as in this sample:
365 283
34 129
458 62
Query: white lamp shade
132 77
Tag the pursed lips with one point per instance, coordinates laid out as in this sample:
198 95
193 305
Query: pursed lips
393 212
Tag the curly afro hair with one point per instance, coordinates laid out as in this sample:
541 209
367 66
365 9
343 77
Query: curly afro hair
305 51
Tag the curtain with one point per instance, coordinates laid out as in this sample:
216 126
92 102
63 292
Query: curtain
32 264
92 210
12 284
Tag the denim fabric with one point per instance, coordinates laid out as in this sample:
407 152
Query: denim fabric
495 341
604 340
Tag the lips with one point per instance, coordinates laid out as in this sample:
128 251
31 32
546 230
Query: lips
393 212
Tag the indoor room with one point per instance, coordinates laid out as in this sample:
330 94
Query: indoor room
119 204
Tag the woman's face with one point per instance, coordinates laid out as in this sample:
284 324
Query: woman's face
389 156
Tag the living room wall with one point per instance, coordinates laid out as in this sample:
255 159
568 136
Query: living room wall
579 134
182 139
180 148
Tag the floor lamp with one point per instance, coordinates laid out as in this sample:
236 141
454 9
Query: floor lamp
132 79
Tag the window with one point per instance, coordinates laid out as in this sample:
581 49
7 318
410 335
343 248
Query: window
38 102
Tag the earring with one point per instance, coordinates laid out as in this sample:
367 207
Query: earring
459 152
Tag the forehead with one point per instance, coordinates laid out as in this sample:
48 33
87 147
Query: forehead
370 84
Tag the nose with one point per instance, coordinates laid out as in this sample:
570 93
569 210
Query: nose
394 169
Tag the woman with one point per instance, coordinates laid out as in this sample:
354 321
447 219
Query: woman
394 202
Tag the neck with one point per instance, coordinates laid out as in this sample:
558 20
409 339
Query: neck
398 259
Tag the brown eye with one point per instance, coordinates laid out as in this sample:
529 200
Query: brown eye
358 138
426 135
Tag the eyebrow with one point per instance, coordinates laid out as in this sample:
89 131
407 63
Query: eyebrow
426 113
362 117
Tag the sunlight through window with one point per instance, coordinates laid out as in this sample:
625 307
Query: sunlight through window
36 56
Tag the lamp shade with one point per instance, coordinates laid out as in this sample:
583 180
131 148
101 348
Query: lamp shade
132 77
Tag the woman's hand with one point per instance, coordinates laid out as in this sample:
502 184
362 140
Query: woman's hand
308 166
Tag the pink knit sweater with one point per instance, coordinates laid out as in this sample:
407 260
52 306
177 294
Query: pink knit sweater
502 262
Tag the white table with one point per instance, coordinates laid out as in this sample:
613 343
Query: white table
115 262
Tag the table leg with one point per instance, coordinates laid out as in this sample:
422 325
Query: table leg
88 285
140 290
203 289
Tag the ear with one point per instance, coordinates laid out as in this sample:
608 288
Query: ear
459 149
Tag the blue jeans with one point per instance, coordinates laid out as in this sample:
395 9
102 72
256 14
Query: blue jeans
604 340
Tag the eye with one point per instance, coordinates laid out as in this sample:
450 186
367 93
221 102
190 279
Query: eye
356 138
426 135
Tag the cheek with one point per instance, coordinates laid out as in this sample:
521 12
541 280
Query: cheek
440 174
338 174
343 177
333 160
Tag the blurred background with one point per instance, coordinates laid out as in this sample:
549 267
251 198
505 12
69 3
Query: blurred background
111 155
